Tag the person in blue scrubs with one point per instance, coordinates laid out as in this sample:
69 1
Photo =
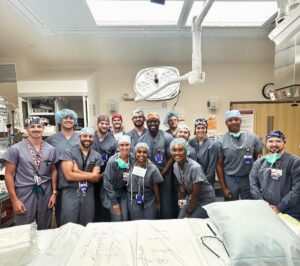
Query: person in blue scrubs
159 153
206 150
66 120
237 151
115 181
81 168
106 145
275 177
31 176
194 189
143 191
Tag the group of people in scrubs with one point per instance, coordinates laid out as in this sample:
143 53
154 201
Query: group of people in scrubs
146 173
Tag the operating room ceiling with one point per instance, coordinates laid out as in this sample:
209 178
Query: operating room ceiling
64 32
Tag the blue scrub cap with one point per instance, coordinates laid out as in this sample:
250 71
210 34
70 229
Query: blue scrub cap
167 117
183 142
232 113
275 134
141 145
63 113
86 130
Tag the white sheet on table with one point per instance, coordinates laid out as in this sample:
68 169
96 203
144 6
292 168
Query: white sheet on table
160 242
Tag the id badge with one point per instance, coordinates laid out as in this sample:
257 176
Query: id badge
158 158
125 176
139 171
37 179
276 174
83 185
139 198
248 159
181 203
104 157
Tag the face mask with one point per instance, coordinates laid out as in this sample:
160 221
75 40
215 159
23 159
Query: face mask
272 158
121 163
236 135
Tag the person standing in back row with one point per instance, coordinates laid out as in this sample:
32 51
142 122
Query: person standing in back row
237 152
66 120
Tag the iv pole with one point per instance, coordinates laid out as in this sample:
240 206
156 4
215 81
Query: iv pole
196 75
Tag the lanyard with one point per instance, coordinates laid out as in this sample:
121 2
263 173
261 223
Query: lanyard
139 183
181 187
84 161
36 158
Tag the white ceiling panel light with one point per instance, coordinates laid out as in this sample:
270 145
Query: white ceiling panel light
236 13
134 13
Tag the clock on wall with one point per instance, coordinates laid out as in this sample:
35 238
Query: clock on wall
267 89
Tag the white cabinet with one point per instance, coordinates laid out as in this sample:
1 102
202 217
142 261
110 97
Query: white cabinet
46 107
44 98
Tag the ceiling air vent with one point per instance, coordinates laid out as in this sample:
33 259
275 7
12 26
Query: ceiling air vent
8 73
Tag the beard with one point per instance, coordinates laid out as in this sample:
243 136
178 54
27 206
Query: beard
86 143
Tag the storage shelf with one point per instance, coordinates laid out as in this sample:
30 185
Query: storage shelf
41 114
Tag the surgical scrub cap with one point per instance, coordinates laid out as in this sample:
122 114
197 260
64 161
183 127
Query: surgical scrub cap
141 145
65 113
33 120
183 126
168 116
124 139
275 134
232 113
114 116
183 142
201 121
86 130
152 116
138 112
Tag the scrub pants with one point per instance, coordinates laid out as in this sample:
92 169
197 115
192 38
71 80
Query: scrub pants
37 209
101 214
146 210
77 208
199 212
165 192
239 187
124 211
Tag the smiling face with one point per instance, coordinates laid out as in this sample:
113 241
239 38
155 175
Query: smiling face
183 133
234 124
86 140
35 131
141 155
67 122
179 153
275 145
124 148
153 125
138 121
200 131
117 123
103 126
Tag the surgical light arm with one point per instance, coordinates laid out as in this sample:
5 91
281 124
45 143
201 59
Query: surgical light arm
196 75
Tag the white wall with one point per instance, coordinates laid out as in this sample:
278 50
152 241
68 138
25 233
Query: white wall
228 82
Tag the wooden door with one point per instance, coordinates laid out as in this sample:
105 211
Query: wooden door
280 116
